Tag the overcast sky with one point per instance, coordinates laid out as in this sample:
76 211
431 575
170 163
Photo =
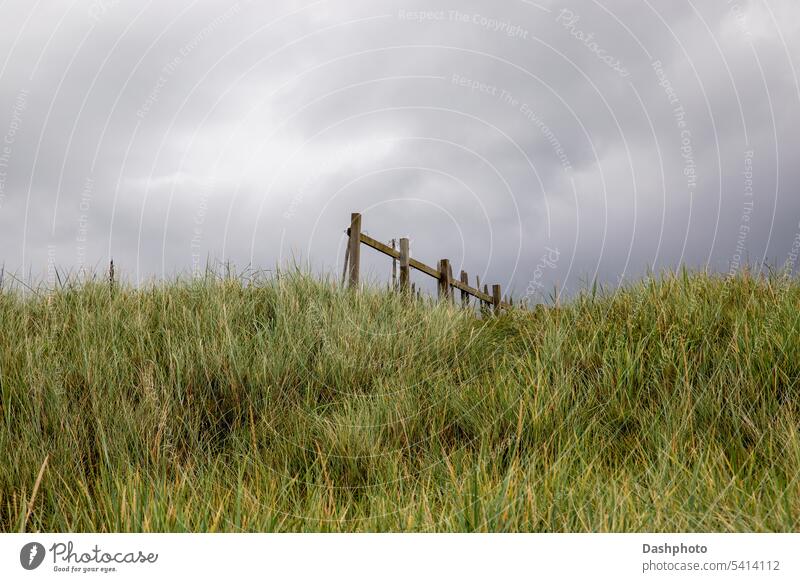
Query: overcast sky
532 143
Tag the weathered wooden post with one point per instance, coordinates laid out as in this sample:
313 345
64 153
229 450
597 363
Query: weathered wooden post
346 263
394 266
354 247
464 294
444 279
497 297
450 292
405 265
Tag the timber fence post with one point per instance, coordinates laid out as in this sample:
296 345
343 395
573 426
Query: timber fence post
355 249
450 291
497 297
405 267
346 263
444 279
394 267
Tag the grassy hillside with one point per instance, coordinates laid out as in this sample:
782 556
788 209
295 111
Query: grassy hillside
290 406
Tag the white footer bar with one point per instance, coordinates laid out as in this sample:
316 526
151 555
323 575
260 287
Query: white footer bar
400 557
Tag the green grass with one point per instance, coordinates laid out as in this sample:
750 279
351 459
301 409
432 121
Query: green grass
296 406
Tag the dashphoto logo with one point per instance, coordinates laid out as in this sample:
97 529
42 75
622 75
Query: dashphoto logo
31 555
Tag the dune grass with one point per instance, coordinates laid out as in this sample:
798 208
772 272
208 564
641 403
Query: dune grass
293 405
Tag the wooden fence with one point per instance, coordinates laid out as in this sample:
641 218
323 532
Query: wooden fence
447 284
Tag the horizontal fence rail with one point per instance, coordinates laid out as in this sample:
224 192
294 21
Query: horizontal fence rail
443 274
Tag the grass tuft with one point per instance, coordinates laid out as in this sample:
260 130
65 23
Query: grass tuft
294 405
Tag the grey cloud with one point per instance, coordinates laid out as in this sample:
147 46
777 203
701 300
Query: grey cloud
249 131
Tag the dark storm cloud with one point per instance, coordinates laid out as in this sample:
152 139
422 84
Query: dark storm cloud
534 143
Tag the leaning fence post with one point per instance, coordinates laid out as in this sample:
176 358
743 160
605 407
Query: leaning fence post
497 297
405 265
355 249
394 266
346 263
464 294
450 292
444 279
